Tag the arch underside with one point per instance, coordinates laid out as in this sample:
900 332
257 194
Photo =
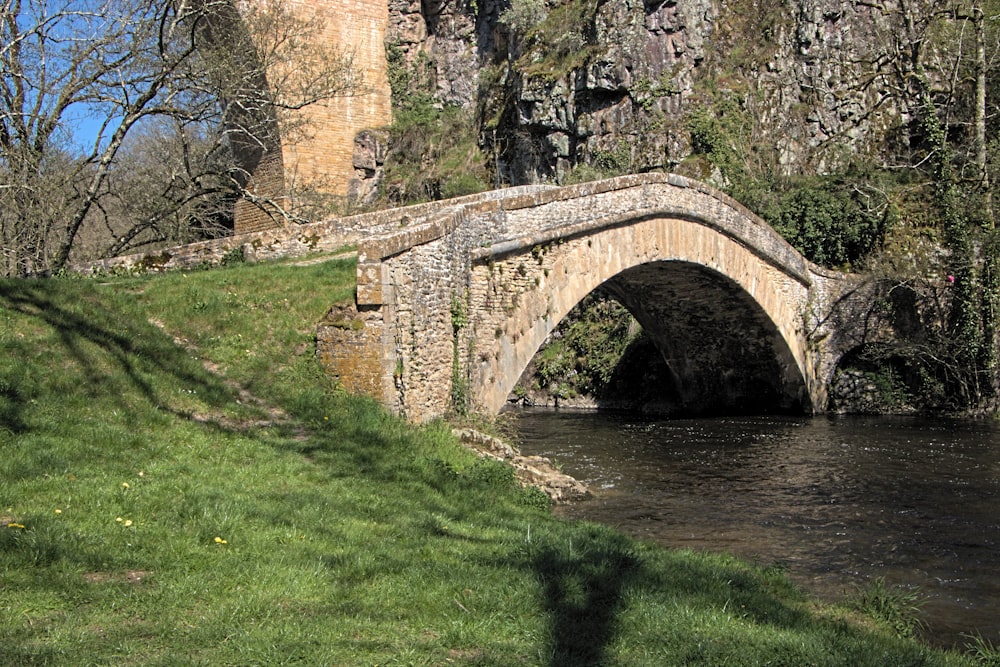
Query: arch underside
723 353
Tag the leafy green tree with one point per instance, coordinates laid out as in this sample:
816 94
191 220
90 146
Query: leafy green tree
827 223
935 63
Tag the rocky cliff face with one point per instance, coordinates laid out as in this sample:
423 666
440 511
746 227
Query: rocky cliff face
612 83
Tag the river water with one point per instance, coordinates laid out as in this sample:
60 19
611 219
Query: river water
836 501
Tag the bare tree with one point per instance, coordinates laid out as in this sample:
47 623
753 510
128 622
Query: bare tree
209 80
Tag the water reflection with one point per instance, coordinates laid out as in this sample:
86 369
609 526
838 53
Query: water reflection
836 500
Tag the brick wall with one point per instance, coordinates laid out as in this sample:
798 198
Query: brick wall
267 182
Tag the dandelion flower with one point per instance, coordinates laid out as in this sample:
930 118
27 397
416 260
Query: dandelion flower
124 485
219 540
127 523
15 525
118 519
58 511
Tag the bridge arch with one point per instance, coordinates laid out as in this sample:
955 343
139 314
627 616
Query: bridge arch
453 304
725 319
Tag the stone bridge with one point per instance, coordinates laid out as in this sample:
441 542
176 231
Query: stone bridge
452 305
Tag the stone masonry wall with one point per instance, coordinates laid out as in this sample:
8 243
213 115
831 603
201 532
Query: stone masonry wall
450 327
519 298
323 154
454 297
288 240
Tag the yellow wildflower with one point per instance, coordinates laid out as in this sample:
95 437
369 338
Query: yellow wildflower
124 485
58 511
219 540
128 522
15 525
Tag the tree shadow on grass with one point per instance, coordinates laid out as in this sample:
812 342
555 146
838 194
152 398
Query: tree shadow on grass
87 345
587 576
105 344
708 609
582 586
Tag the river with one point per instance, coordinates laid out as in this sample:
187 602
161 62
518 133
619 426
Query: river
837 501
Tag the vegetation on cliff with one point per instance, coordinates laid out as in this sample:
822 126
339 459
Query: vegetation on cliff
862 134
597 356
434 152
181 484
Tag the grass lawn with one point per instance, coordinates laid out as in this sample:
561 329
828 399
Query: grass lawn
180 484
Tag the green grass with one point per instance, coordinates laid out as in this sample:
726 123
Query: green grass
896 608
180 484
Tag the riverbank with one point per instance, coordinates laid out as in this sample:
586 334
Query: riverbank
182 485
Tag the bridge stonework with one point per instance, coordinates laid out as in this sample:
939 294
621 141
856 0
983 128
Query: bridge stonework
452 306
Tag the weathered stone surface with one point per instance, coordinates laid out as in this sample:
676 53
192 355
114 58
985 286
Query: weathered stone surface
455 297
278 241
443 35
350 350
370 148
319 154
536 471
794 69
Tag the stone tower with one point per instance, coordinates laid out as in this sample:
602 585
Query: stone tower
320 156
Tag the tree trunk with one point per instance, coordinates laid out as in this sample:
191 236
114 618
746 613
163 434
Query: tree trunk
980 111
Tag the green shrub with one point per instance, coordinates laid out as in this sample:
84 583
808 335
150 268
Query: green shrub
827 218
411 87
826 223
552 43
523 15
433 150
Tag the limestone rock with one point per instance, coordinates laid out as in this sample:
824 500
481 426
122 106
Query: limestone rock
643 65
535 471
368 159
443 34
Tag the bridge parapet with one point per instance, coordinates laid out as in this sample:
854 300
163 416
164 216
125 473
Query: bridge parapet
534 215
